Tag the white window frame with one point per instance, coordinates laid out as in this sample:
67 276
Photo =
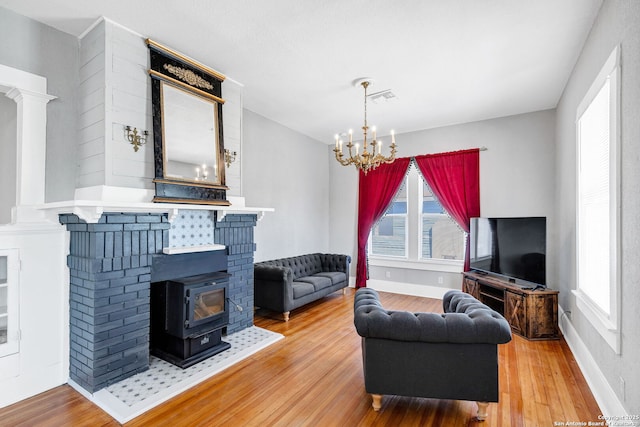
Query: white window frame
607 324
413 260
12 345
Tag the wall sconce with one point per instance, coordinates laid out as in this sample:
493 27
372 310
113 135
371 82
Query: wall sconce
229 156
136 139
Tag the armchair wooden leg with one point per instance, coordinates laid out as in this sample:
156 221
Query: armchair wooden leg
482 410
377 401
285 315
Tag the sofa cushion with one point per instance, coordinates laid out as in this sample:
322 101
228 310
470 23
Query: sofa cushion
335 276
301 266
317 281
301 289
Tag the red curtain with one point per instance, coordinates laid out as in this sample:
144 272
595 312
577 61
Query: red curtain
454 179
376 191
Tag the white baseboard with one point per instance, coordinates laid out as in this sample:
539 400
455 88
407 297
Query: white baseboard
602 391
427 291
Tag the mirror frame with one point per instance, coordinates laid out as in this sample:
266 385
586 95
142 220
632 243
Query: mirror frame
173 68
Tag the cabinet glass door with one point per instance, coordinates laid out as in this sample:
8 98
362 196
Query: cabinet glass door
9 331
3 300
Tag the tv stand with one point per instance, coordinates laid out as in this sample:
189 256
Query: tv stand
532 313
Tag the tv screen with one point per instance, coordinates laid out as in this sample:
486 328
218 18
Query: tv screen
510 247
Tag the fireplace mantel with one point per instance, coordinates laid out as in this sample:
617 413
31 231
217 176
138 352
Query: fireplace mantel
91 210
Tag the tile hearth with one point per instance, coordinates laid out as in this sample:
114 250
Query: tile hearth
133 396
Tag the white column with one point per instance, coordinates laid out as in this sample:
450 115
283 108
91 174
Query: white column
31 149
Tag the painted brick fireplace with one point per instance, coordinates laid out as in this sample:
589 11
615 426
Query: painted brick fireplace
110 266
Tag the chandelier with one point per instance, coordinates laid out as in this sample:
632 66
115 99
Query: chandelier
371 156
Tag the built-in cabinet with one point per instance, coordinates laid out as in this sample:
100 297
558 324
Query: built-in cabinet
8 302
532 314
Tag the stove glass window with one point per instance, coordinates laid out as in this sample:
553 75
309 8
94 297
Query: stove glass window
208 303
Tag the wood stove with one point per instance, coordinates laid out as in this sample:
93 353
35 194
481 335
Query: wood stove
188 314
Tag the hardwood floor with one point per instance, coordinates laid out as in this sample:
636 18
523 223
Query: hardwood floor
314 378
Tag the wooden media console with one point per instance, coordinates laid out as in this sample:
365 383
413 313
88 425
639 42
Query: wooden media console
532 314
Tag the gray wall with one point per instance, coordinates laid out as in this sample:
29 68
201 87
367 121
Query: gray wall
516 179
286 171
36 48
617 23
8 125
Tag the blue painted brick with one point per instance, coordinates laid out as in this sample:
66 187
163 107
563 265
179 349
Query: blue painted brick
142 318
119 315
124 281
108 244
77 227
149 218
135 243
108 343
118 250
137 227
116 299
101 228
120 219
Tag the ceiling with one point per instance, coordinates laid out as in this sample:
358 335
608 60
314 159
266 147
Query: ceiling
447 61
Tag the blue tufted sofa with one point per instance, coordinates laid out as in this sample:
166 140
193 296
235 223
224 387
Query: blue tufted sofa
445 356
285 284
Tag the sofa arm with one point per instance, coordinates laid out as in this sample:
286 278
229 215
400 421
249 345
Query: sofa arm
273 287
480 325
335 262
272 273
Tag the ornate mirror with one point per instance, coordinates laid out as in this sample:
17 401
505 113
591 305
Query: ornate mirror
187 129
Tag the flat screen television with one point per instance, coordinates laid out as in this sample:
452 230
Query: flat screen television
511 247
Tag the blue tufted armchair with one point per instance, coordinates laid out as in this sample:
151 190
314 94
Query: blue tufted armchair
446 356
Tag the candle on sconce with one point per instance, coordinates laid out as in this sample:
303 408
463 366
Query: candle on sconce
340 146
393 137
350 136
357 148
337 140
373 129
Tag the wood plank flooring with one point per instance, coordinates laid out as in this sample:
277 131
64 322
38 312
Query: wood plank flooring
314 378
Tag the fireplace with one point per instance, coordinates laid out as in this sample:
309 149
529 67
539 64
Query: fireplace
189 310
188 316
112 265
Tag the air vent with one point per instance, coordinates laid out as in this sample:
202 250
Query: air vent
382 96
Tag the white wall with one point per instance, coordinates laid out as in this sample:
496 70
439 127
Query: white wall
516 179
114 92
286 171
617 23
232 129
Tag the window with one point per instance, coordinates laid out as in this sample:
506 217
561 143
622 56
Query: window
441 237
597 214
416 228
389 235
